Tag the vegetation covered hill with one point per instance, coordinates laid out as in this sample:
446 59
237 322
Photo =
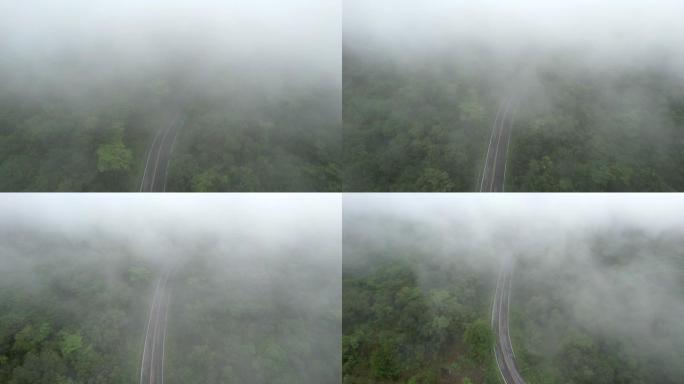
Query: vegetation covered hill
96 138
421 121
416 124
85 87
610 316
74 308
70 312
412 317
610 130
254 321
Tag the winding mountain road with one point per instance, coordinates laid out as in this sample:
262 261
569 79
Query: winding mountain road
503 349
494 172
152 364
158 158
493 180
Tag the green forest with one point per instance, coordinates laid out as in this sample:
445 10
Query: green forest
414 125
70 311
60 131
587 129
95 143
605 320
288 143
74 311
241 322
422 121
409 317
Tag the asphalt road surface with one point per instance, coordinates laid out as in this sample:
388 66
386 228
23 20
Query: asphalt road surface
503 350
158 157
494 172
152 365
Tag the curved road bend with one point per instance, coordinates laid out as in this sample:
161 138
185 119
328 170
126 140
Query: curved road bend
494 172
503 349
493 180
158 157
152 364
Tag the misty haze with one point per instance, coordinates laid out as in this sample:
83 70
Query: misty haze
513 289
169 288
156 95
525 95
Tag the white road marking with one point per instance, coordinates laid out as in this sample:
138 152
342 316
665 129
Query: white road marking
166 312
484 171
510 288
149 155
496 148
156 163
147 330
173 144
508 144
499 366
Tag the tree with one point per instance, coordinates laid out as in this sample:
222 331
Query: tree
383 362
69 343
434 180
479 340
44 368
582 362
114 157
29 337
139 275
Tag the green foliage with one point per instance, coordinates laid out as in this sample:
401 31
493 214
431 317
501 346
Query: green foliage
426 377
412 130
139 275
397 331
78 142
423 124
238 136
599 132
114 157
581 352
68 318
69 343
479 340
44 367
434 180
229 327
287 144
209 180
29 337
383 363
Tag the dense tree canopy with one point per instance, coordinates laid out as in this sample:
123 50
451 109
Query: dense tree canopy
70 316
410 319
92 134
416 126
253 324
590 130
422 122
560 337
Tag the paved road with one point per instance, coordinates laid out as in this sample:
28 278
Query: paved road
494 172
493 180
152 364
503 350
158 157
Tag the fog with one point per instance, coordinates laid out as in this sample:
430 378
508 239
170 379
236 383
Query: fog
607 32
591 85
81 42
84 82
248 272
607 266
155 226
